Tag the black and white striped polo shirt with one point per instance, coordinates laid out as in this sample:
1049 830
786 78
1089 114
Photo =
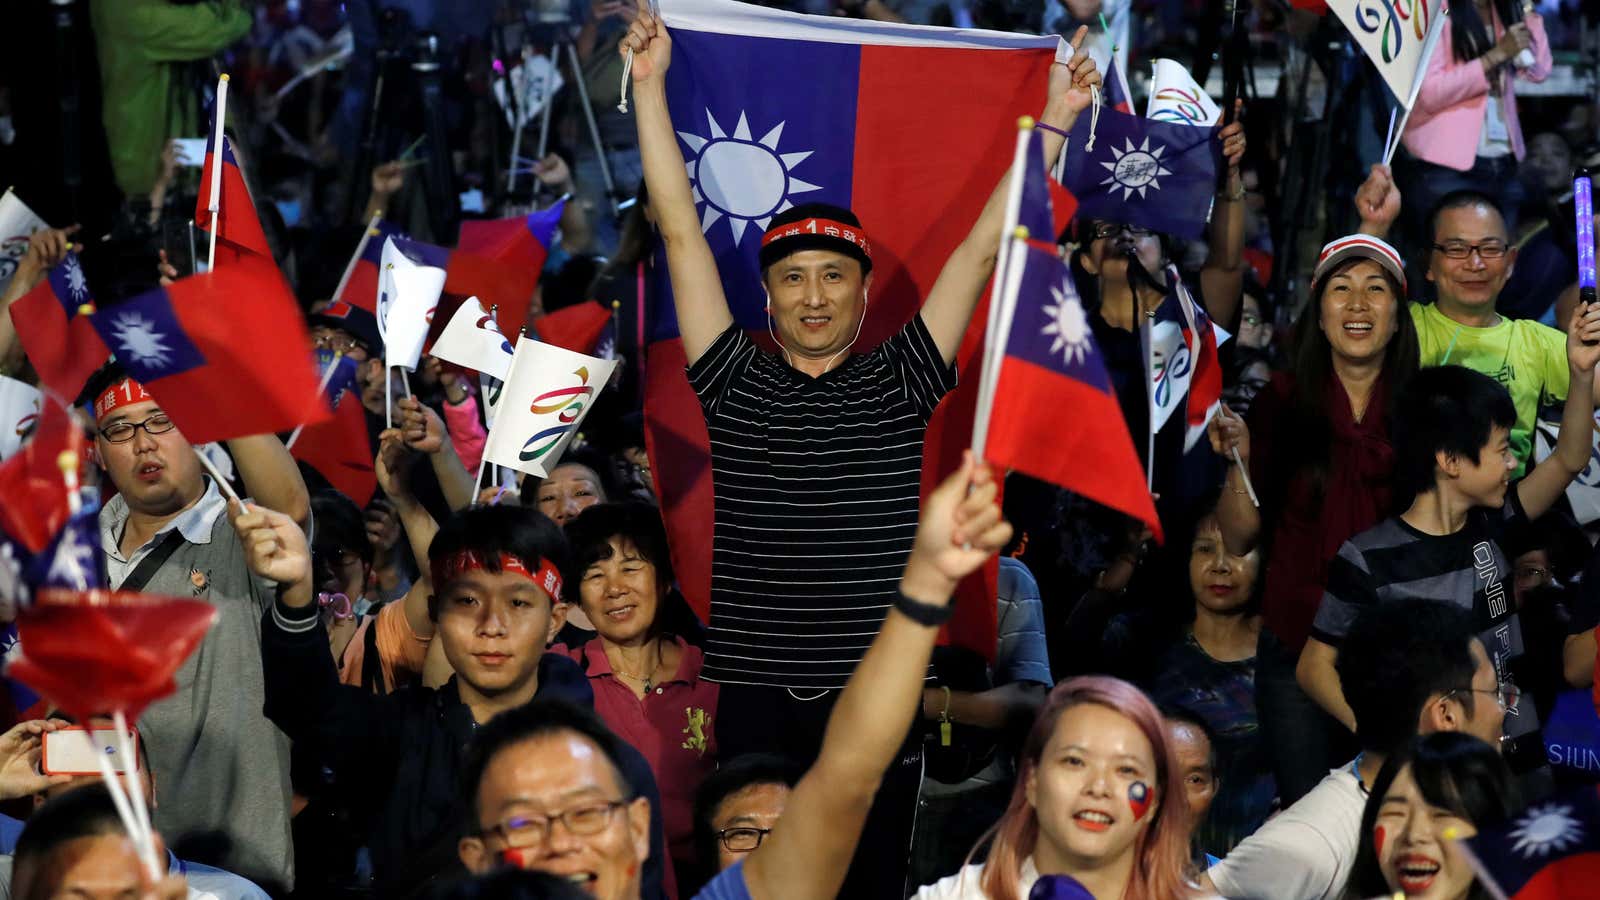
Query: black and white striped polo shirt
816 486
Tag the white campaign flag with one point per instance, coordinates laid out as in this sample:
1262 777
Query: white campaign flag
1397 35
17 224
19 412
472 339
547 393
1175 97
490 388
409 283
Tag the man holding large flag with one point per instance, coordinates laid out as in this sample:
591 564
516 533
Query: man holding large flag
816 452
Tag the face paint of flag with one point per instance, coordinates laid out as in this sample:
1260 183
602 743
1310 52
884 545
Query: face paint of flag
1139 799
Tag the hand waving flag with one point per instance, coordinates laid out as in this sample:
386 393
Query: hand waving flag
52 323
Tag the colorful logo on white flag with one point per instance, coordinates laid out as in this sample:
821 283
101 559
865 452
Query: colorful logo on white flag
1394 35
408 293
547 394
1176 97
19 413
472 339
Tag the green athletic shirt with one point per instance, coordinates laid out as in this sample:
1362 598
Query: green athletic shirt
1530 359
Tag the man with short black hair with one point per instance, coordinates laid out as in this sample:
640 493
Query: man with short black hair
1408 667
223 768
77 846
1470 255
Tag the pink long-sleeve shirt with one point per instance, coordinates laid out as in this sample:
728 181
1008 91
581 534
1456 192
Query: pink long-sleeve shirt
466 430
1447 122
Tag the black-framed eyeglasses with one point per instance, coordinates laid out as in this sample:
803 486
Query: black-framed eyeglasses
742 839
529 830
1505 693
338 343
1103 230
1462 249
122 432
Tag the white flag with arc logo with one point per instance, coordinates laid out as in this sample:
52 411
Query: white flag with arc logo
472 339
409 284
19 414
547 394
1176 97
1397 35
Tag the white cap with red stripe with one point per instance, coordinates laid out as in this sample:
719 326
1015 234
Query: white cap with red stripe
1360 246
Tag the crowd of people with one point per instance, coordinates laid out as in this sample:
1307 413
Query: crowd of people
1366 632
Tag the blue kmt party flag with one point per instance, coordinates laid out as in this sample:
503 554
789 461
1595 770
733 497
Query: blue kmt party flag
1144 172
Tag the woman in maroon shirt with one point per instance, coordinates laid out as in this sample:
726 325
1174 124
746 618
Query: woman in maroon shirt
1318 441
646 678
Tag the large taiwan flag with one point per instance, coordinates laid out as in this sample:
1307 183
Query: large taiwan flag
910 127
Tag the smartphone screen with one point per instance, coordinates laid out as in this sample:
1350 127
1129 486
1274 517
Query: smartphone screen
74 751
191 151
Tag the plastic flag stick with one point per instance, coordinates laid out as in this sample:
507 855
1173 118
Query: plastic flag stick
327 376
215 203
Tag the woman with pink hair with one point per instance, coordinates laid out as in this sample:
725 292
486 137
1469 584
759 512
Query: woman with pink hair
1090 803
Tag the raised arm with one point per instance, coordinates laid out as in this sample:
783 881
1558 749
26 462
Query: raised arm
271 477
1237 516
1222 276
46 249
424 431
392 465
1549 479
955 293
304 696
805 858
696 287
1378 202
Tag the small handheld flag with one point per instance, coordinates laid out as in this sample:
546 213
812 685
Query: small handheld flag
547 394
472 339
409 285
1549 852
17 224
1144 172
223 207
1176 97
55 332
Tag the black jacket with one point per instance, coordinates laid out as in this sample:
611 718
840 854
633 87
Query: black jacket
403 753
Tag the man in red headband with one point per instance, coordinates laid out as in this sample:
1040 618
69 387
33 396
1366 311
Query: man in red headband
817 451
223 768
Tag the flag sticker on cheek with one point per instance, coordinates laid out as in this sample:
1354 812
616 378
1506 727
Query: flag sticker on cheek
1139 799
1377 841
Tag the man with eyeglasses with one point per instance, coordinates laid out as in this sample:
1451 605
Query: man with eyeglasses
1408 667
1470 256
223 768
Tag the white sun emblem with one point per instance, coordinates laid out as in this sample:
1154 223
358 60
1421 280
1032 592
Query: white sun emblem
141 341
72 562
74 278
1135 168
1068 324
742 179
1544 829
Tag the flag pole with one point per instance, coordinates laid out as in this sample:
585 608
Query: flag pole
997 323
222 483
1147 335
327 376
350 267
388 396
215 201
1430 43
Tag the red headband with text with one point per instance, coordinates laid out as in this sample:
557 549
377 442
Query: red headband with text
123 393
546 576
824 227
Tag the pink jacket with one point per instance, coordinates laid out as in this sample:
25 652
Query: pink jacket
1447 122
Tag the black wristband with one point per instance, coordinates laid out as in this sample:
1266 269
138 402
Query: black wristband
923 613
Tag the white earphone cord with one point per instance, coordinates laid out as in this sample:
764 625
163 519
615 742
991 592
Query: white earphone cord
790 360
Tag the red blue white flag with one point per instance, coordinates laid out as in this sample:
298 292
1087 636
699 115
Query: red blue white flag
1202 336
238 228
1053 414
910 127
499 261
1549 852
359 288
225 353
55 332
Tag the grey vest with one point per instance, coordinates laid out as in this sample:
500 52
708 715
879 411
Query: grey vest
221 768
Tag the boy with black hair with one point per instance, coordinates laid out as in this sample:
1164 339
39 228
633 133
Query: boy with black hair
1453 454
496 580
1410 666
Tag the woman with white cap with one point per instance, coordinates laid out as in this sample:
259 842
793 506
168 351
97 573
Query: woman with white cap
1318 450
